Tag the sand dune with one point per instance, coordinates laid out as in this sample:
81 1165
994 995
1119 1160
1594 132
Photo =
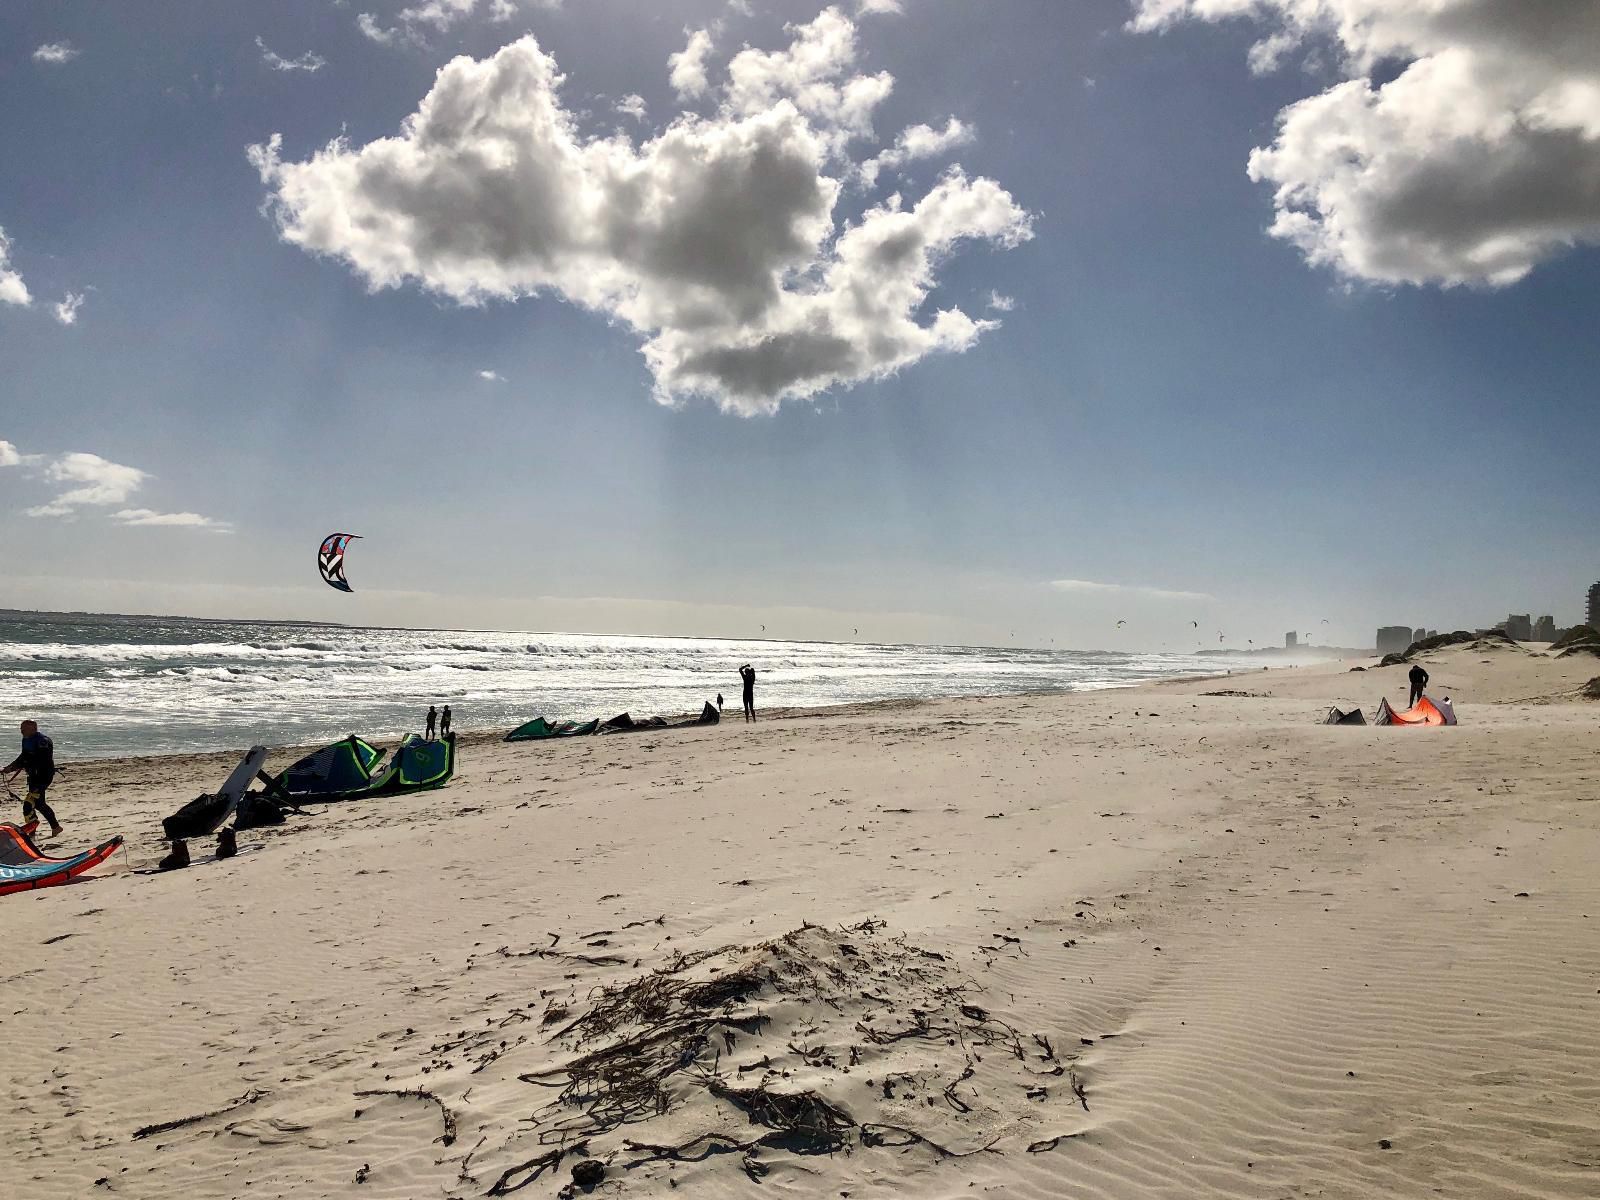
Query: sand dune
1139 943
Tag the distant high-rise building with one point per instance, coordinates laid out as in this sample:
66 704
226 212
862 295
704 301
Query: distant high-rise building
1393 639
1291 640
1418 634
1519 627
1594 607
1544 629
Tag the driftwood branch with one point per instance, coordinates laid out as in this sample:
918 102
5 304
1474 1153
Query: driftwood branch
250 1097
449 1136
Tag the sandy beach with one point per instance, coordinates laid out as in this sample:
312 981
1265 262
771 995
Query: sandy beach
1175 940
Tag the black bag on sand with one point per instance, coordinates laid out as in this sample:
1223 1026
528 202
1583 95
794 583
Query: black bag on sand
256 810
198 818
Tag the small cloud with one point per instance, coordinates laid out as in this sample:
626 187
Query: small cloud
67 311
1089 82
867 8
917 141
12 289
187 520
686 70
56 53
309 61
1091 588
741 7
368 24
1000 303
103 484
440 15
631 105
491 376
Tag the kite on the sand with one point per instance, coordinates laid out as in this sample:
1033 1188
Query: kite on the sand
23 867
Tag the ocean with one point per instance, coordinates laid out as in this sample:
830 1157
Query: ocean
113 685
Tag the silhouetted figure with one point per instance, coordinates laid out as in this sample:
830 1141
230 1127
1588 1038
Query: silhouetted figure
748 674
38 759
719 703
433 719
444 722
1419 684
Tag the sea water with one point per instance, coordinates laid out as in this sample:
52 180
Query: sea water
111 685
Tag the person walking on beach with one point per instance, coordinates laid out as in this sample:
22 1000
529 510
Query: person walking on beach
1419 684
748 674
433 719
719 704
444 722
38 759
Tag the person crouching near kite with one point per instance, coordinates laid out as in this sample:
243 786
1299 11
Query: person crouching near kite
38 759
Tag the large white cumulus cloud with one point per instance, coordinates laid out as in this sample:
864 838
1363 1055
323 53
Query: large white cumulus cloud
1476 159
715 239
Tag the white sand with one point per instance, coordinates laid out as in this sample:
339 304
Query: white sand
1263 948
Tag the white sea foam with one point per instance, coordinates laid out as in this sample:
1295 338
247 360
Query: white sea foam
117 685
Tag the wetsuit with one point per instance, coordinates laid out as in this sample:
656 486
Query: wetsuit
1419 684
38 760
748 674
444 722
433 716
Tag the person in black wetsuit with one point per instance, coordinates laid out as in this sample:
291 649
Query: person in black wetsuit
444 722
38 759
1419 684
748 674
433 719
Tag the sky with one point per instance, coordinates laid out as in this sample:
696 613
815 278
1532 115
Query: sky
990 322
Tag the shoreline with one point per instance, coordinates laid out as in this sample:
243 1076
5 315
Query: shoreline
482 735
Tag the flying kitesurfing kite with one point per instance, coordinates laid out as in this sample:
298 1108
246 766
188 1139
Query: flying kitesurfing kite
330 560
1120 624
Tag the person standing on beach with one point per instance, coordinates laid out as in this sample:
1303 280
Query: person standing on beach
433 719
1419 684
444 722
748 674
38 759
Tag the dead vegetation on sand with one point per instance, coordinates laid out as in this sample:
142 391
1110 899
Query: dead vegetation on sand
819 1042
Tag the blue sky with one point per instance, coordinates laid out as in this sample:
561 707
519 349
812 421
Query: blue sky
1384 414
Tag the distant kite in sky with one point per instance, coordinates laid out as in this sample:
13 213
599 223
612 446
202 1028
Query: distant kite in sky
330 560
1120 624
1196 624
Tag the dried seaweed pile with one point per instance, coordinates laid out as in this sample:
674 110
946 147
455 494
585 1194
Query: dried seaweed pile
823 1041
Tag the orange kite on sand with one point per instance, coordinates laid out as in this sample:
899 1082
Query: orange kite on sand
1423 712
